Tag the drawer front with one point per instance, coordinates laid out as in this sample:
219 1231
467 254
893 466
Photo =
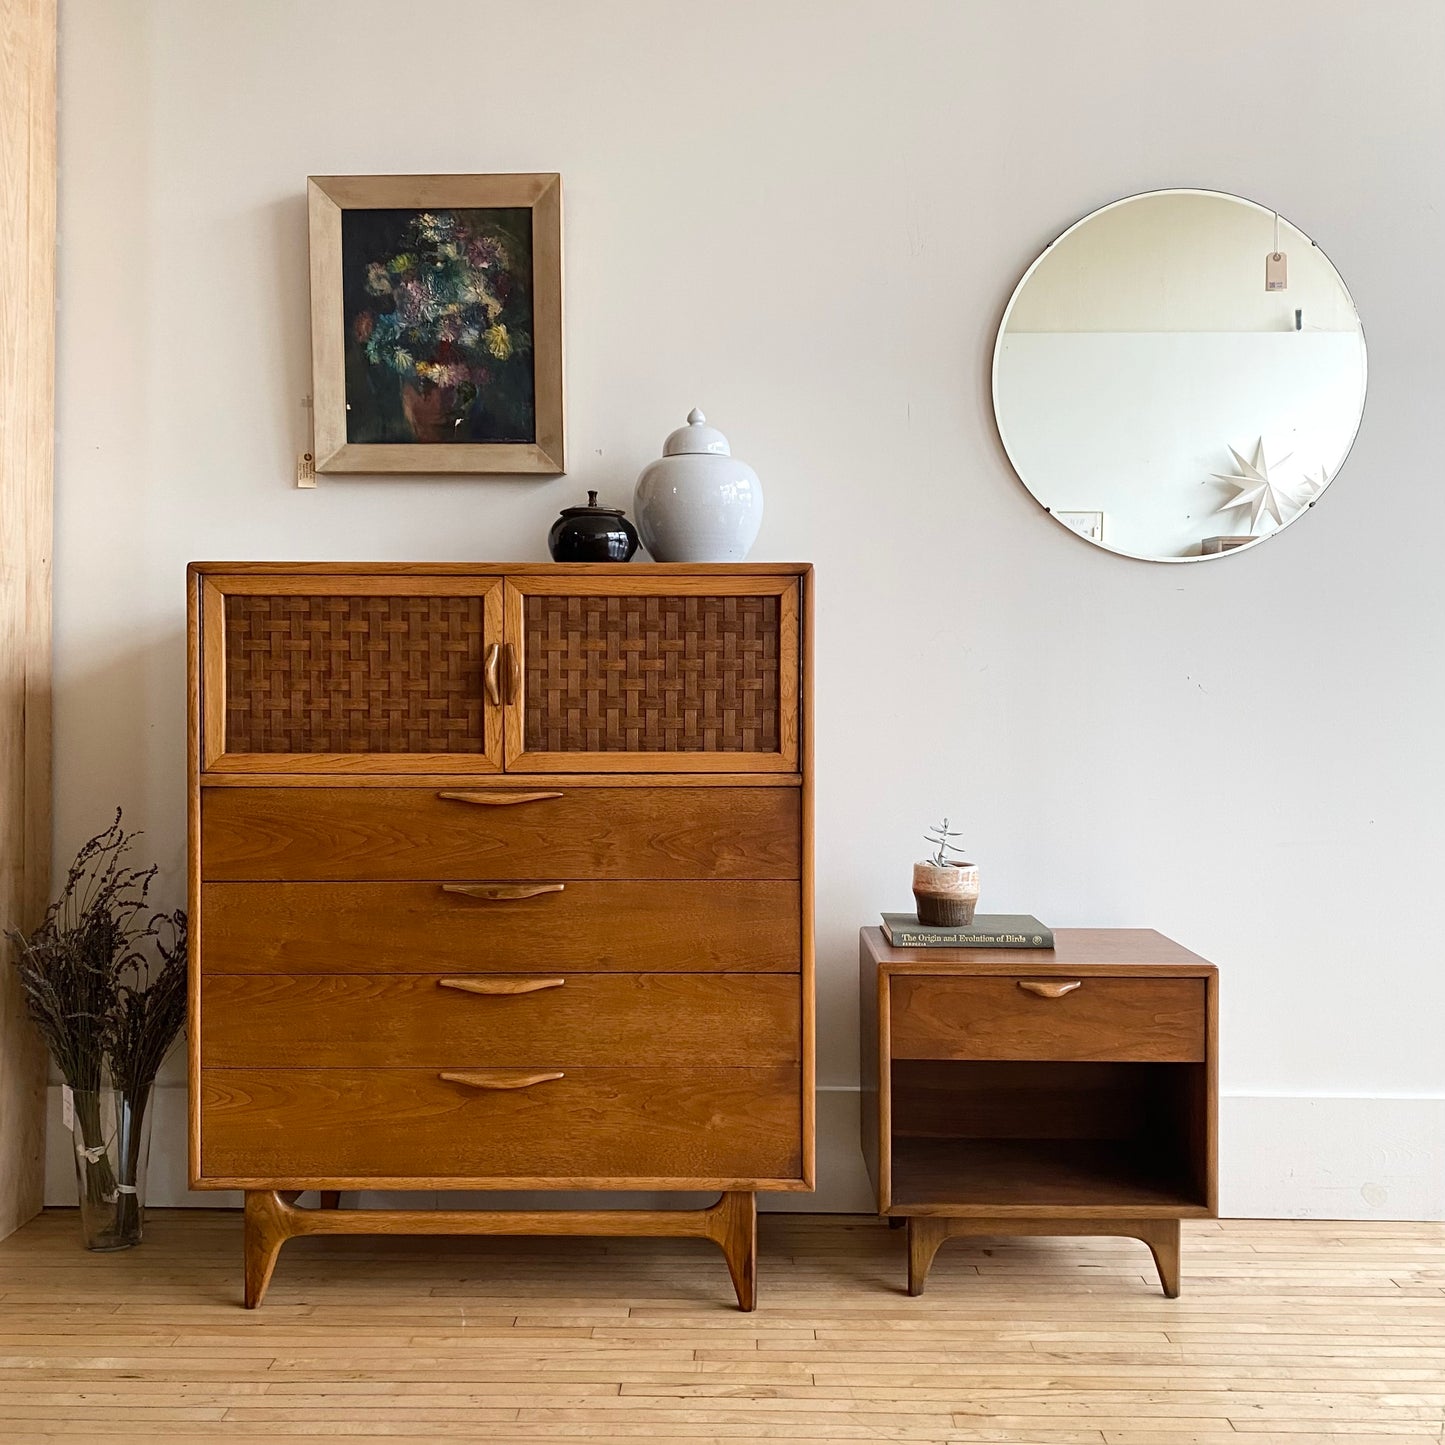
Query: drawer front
688 925
589 1128
259 834
1152 1020
320 1021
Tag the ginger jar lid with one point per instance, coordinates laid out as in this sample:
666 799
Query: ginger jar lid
696 436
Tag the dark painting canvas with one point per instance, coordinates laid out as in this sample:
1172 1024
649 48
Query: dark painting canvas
438 309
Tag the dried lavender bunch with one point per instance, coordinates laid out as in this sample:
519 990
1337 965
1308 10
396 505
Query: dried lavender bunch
149 1009
70 966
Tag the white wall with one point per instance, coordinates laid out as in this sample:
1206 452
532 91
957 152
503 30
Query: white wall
807 219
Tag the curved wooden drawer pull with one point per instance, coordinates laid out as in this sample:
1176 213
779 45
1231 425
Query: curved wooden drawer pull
498 800
503 892
500 986
1045 989
490 674
499 1079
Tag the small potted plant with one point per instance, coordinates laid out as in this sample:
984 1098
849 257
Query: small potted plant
945 889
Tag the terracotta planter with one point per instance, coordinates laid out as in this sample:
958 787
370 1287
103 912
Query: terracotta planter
947 896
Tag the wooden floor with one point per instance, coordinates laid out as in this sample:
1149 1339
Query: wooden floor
1296 1332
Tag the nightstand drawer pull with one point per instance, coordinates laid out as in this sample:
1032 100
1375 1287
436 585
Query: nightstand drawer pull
497 800
1045 989
500 986
502 892
494 1079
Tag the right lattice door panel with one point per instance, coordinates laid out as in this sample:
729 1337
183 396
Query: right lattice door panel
694 674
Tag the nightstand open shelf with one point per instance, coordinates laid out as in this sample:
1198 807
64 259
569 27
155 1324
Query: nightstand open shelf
1041 1137
1058 1091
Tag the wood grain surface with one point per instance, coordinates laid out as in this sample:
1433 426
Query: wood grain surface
411 833
377 1021
327 1126
27 426
1143 1020
1312 1332
747 925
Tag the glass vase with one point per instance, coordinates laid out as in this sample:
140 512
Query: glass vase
112 1137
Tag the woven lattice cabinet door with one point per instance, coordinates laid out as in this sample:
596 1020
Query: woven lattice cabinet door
697 674
368 668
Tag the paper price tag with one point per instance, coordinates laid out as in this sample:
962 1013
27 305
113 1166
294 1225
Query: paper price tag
67 1107
1276 271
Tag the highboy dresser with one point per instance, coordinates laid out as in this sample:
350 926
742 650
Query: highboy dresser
500 878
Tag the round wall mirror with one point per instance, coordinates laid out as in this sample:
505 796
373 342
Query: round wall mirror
1179 375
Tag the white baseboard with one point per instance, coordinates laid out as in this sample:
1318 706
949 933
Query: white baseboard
1280 1157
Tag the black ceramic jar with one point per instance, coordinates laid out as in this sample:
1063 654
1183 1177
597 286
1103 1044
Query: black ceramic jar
592 534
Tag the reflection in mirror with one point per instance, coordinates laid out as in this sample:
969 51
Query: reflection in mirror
1179 375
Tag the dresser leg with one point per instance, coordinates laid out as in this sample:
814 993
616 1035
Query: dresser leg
265 1233
733 1223
925 1234
1162 1237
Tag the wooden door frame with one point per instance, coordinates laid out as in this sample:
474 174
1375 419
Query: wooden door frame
27 400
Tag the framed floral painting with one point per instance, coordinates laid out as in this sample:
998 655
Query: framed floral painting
436 323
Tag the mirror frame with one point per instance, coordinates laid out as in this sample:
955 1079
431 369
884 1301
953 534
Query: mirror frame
1039 260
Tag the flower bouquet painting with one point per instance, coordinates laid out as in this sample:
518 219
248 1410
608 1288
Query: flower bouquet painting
436 323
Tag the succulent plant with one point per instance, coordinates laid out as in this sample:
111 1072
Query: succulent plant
939 837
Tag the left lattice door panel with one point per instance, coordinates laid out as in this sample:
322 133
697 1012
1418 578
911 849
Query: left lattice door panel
352 673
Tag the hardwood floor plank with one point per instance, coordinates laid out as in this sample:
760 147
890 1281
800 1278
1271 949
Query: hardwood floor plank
1300 1332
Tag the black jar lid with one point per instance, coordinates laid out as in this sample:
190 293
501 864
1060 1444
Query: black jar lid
592 509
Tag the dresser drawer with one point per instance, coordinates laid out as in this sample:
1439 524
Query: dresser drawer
361 1021
699 1126
677 924
256 834
1147 1020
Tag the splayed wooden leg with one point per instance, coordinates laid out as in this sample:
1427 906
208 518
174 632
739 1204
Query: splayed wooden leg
265 1233
733 1223
1162 1237
925 1234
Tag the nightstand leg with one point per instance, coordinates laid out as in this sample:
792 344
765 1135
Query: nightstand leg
330 1199
1162 1237
925 1234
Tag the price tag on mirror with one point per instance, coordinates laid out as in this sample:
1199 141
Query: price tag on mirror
1276 268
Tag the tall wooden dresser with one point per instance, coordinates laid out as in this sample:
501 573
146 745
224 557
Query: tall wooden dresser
500 878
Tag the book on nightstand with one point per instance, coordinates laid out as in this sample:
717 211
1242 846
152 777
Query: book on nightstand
988 930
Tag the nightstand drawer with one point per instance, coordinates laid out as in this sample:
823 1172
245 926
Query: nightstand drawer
1139 1020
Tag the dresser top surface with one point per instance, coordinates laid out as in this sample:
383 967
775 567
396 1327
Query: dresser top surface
1075 951
502 569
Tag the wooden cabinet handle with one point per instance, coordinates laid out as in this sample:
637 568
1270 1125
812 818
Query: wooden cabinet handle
489 674
499 1079
1045 989
501 986
497 800
514 673
502 892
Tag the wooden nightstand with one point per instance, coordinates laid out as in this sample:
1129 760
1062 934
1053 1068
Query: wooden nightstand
1063 1091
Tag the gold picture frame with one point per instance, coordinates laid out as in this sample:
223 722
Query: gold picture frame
429 297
